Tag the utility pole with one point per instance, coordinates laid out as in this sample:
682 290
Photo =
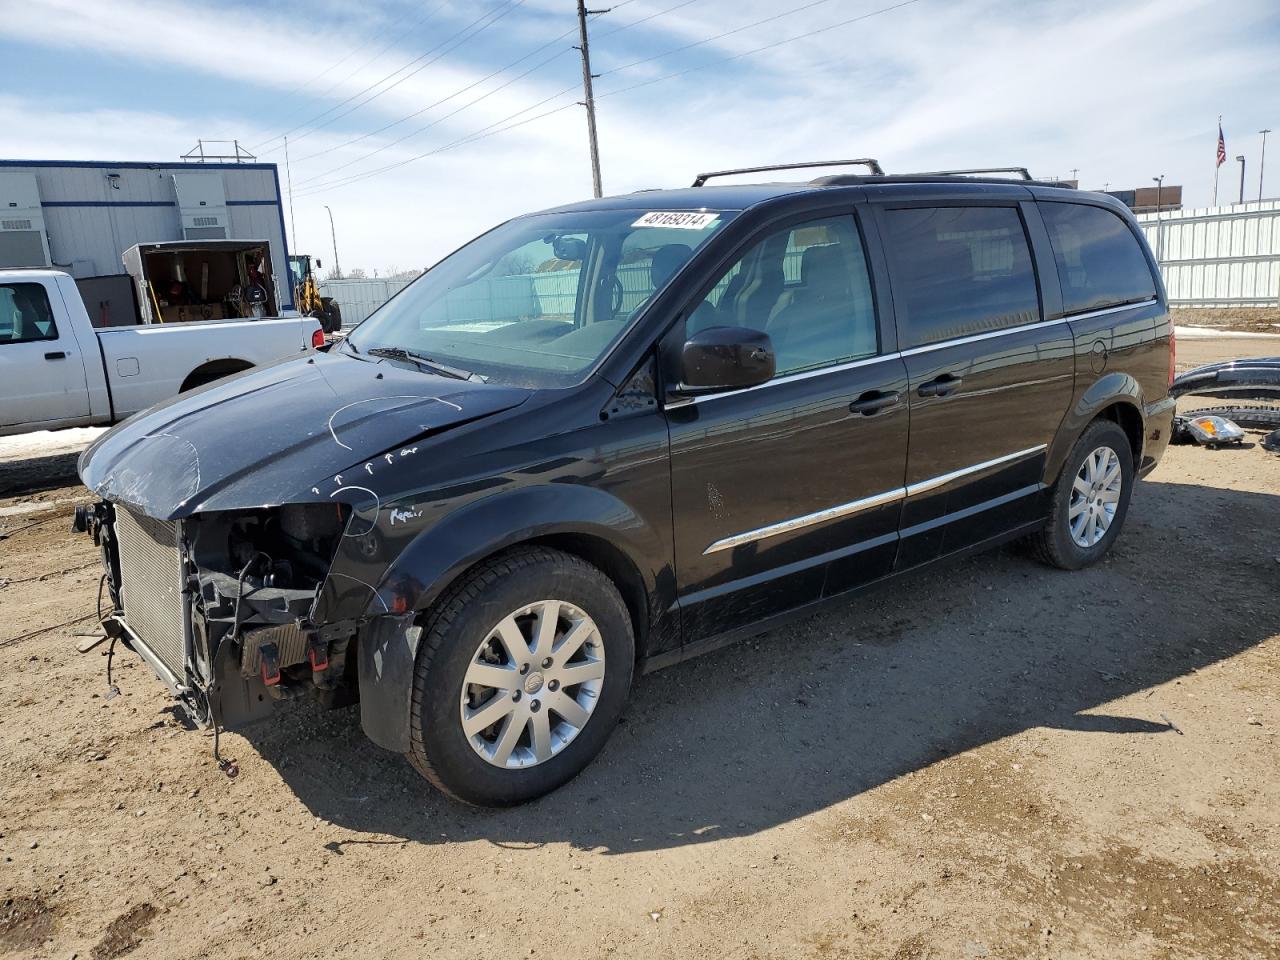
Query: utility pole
337 268
1262 161
1241 159
589 102
1075 171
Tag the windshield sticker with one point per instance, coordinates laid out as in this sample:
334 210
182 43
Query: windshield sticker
677 220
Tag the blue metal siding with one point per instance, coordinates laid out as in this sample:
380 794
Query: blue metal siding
91 222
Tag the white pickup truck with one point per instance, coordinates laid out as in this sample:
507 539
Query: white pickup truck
57 370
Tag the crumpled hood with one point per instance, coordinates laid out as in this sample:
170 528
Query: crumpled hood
331 427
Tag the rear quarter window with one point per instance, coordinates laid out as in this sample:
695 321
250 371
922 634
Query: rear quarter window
1100 261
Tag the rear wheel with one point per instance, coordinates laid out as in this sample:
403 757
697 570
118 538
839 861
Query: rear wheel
521 675
1089 500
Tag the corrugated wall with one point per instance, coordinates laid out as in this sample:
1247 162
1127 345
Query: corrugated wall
359 298
1219 256
92 218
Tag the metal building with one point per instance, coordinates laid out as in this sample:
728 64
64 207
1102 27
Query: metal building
82 215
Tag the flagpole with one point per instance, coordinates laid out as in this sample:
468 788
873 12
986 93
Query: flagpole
1216 165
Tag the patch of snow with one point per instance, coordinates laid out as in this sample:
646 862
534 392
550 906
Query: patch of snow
48 443
1213 333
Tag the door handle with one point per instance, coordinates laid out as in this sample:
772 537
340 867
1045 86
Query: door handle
942 386
56 355
873 401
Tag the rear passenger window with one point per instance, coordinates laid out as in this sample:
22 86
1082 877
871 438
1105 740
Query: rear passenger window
1100 262
806 286
959 271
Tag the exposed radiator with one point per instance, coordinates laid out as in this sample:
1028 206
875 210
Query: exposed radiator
151 585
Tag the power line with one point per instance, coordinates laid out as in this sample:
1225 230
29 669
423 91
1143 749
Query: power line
399 34
422 129
492 17
483 133
413 133
755 50
443 100
719 36
497 127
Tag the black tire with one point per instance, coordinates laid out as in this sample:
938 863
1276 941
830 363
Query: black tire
330 315
1254 418
453 631
1054 544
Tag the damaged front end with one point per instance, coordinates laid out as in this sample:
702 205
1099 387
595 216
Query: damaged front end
244 526
221 605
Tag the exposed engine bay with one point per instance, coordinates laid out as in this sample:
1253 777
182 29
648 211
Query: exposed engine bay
220 604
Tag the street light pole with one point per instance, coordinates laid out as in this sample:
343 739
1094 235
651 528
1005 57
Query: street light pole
1262 160
337 267
1159 223
1241 159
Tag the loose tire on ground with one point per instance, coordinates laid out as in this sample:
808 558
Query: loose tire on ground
455 633
1057 544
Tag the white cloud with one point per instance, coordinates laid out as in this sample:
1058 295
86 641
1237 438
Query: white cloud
1122 92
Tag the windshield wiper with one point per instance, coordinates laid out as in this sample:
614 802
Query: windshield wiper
426 363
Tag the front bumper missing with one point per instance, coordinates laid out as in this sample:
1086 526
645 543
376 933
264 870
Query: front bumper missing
227 647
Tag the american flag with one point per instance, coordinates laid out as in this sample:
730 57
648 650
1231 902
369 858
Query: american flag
1222 147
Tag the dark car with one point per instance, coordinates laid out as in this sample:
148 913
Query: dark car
603 438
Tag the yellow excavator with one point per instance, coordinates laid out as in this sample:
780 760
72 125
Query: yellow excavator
306 294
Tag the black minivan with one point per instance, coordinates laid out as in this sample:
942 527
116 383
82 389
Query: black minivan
609 436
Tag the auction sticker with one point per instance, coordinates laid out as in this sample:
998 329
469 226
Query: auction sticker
677 220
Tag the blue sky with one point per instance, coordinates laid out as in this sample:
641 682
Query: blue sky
1123 91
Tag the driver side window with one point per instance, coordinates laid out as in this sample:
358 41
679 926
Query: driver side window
25 315
807 286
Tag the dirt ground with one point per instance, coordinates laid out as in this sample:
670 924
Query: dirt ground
989 760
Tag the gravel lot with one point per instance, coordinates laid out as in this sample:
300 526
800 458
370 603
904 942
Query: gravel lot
989 760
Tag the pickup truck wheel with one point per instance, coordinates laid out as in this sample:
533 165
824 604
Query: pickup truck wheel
521 674
1089 500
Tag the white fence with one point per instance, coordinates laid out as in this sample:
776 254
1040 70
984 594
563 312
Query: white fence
1219 256
359 298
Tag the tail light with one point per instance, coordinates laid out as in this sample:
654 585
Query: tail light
1173 352
317 341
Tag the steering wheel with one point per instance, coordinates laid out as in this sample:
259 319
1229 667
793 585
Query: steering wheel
617 293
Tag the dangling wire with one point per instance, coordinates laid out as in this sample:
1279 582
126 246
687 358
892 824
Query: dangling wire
112 690
226 765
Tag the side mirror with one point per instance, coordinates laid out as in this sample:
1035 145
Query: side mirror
318 263
725 358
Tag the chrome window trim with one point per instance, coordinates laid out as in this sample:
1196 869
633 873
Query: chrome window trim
866 503
786 378
1104 311
910 352
976 337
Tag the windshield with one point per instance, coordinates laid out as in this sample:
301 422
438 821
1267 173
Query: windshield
537 301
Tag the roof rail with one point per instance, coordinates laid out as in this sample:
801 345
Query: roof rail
1022 172
868 162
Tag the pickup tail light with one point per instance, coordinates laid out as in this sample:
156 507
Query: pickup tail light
1173 352
317 341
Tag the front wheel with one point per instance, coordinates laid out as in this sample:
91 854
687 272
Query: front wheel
1089 500
521 675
